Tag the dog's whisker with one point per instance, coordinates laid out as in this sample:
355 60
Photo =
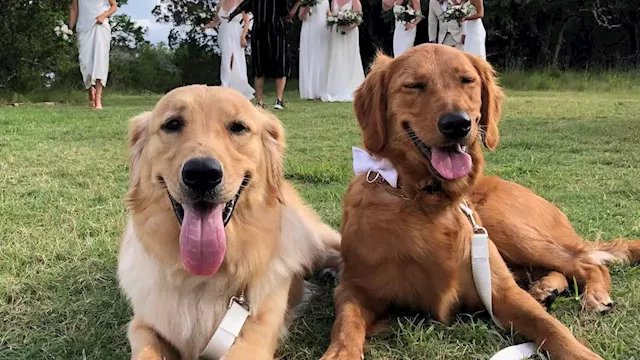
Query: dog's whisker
402 137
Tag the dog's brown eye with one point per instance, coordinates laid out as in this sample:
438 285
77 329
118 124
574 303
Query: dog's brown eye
237 128
415 85
174 124
467 80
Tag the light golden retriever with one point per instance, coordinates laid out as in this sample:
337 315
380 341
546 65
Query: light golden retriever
429 111
212 218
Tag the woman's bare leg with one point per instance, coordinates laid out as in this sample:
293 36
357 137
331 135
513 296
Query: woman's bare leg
92 96
99 88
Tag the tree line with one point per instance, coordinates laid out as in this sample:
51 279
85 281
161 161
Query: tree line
523 34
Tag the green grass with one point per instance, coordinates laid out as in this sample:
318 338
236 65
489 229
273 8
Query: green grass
514 79
63 174
582 81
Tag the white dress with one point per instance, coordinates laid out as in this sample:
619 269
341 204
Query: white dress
476 35
345 65
233 65
402 39
94 41
314 52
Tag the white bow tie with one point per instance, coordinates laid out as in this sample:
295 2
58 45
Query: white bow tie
363 162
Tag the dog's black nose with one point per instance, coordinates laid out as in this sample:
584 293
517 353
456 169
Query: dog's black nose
202 174
455 125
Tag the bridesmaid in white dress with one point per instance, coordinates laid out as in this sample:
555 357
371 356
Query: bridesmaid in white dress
314 50
232 39
345 65
404 35
94 42
475 34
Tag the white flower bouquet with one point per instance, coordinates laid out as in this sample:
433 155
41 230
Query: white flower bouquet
344 18
406 14
310 4
457 12
62 31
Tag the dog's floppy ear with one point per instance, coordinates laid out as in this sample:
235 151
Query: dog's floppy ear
274 145
370 105
492 97
138 133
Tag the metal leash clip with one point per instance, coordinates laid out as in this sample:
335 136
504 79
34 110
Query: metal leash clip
240 300
477 229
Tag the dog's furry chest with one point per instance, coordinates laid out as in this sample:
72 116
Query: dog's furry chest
406 255
185 312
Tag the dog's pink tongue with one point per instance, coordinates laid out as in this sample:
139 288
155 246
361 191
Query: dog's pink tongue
203 241
450 165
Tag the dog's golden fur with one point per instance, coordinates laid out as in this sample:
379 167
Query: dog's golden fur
273 238
532 234
411 248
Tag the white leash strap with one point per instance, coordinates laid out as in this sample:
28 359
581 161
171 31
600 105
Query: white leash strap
516 352
228 330
481 269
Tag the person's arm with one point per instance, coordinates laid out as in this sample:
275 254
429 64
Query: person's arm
418 8
216 19
433 24
478 4
387 5
245 6
113 7
292 11
357 6
303 13
73 14
415 5
245 29
211 24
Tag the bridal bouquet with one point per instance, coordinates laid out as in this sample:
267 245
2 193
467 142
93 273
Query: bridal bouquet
457 12
406 14
63 31
310 4
344 18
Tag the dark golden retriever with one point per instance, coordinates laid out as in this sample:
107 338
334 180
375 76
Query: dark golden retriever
212 218
429 111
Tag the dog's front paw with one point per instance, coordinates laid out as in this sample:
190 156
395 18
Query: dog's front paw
341 353
545 295
579 354
148 353
244 351
596 301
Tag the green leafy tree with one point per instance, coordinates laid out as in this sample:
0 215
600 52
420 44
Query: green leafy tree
31 51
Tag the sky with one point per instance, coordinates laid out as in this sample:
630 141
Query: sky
140 12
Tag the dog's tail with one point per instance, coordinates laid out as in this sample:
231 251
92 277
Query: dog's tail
331 239
619 250
329 236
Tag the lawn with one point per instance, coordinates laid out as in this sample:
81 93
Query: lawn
63 174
